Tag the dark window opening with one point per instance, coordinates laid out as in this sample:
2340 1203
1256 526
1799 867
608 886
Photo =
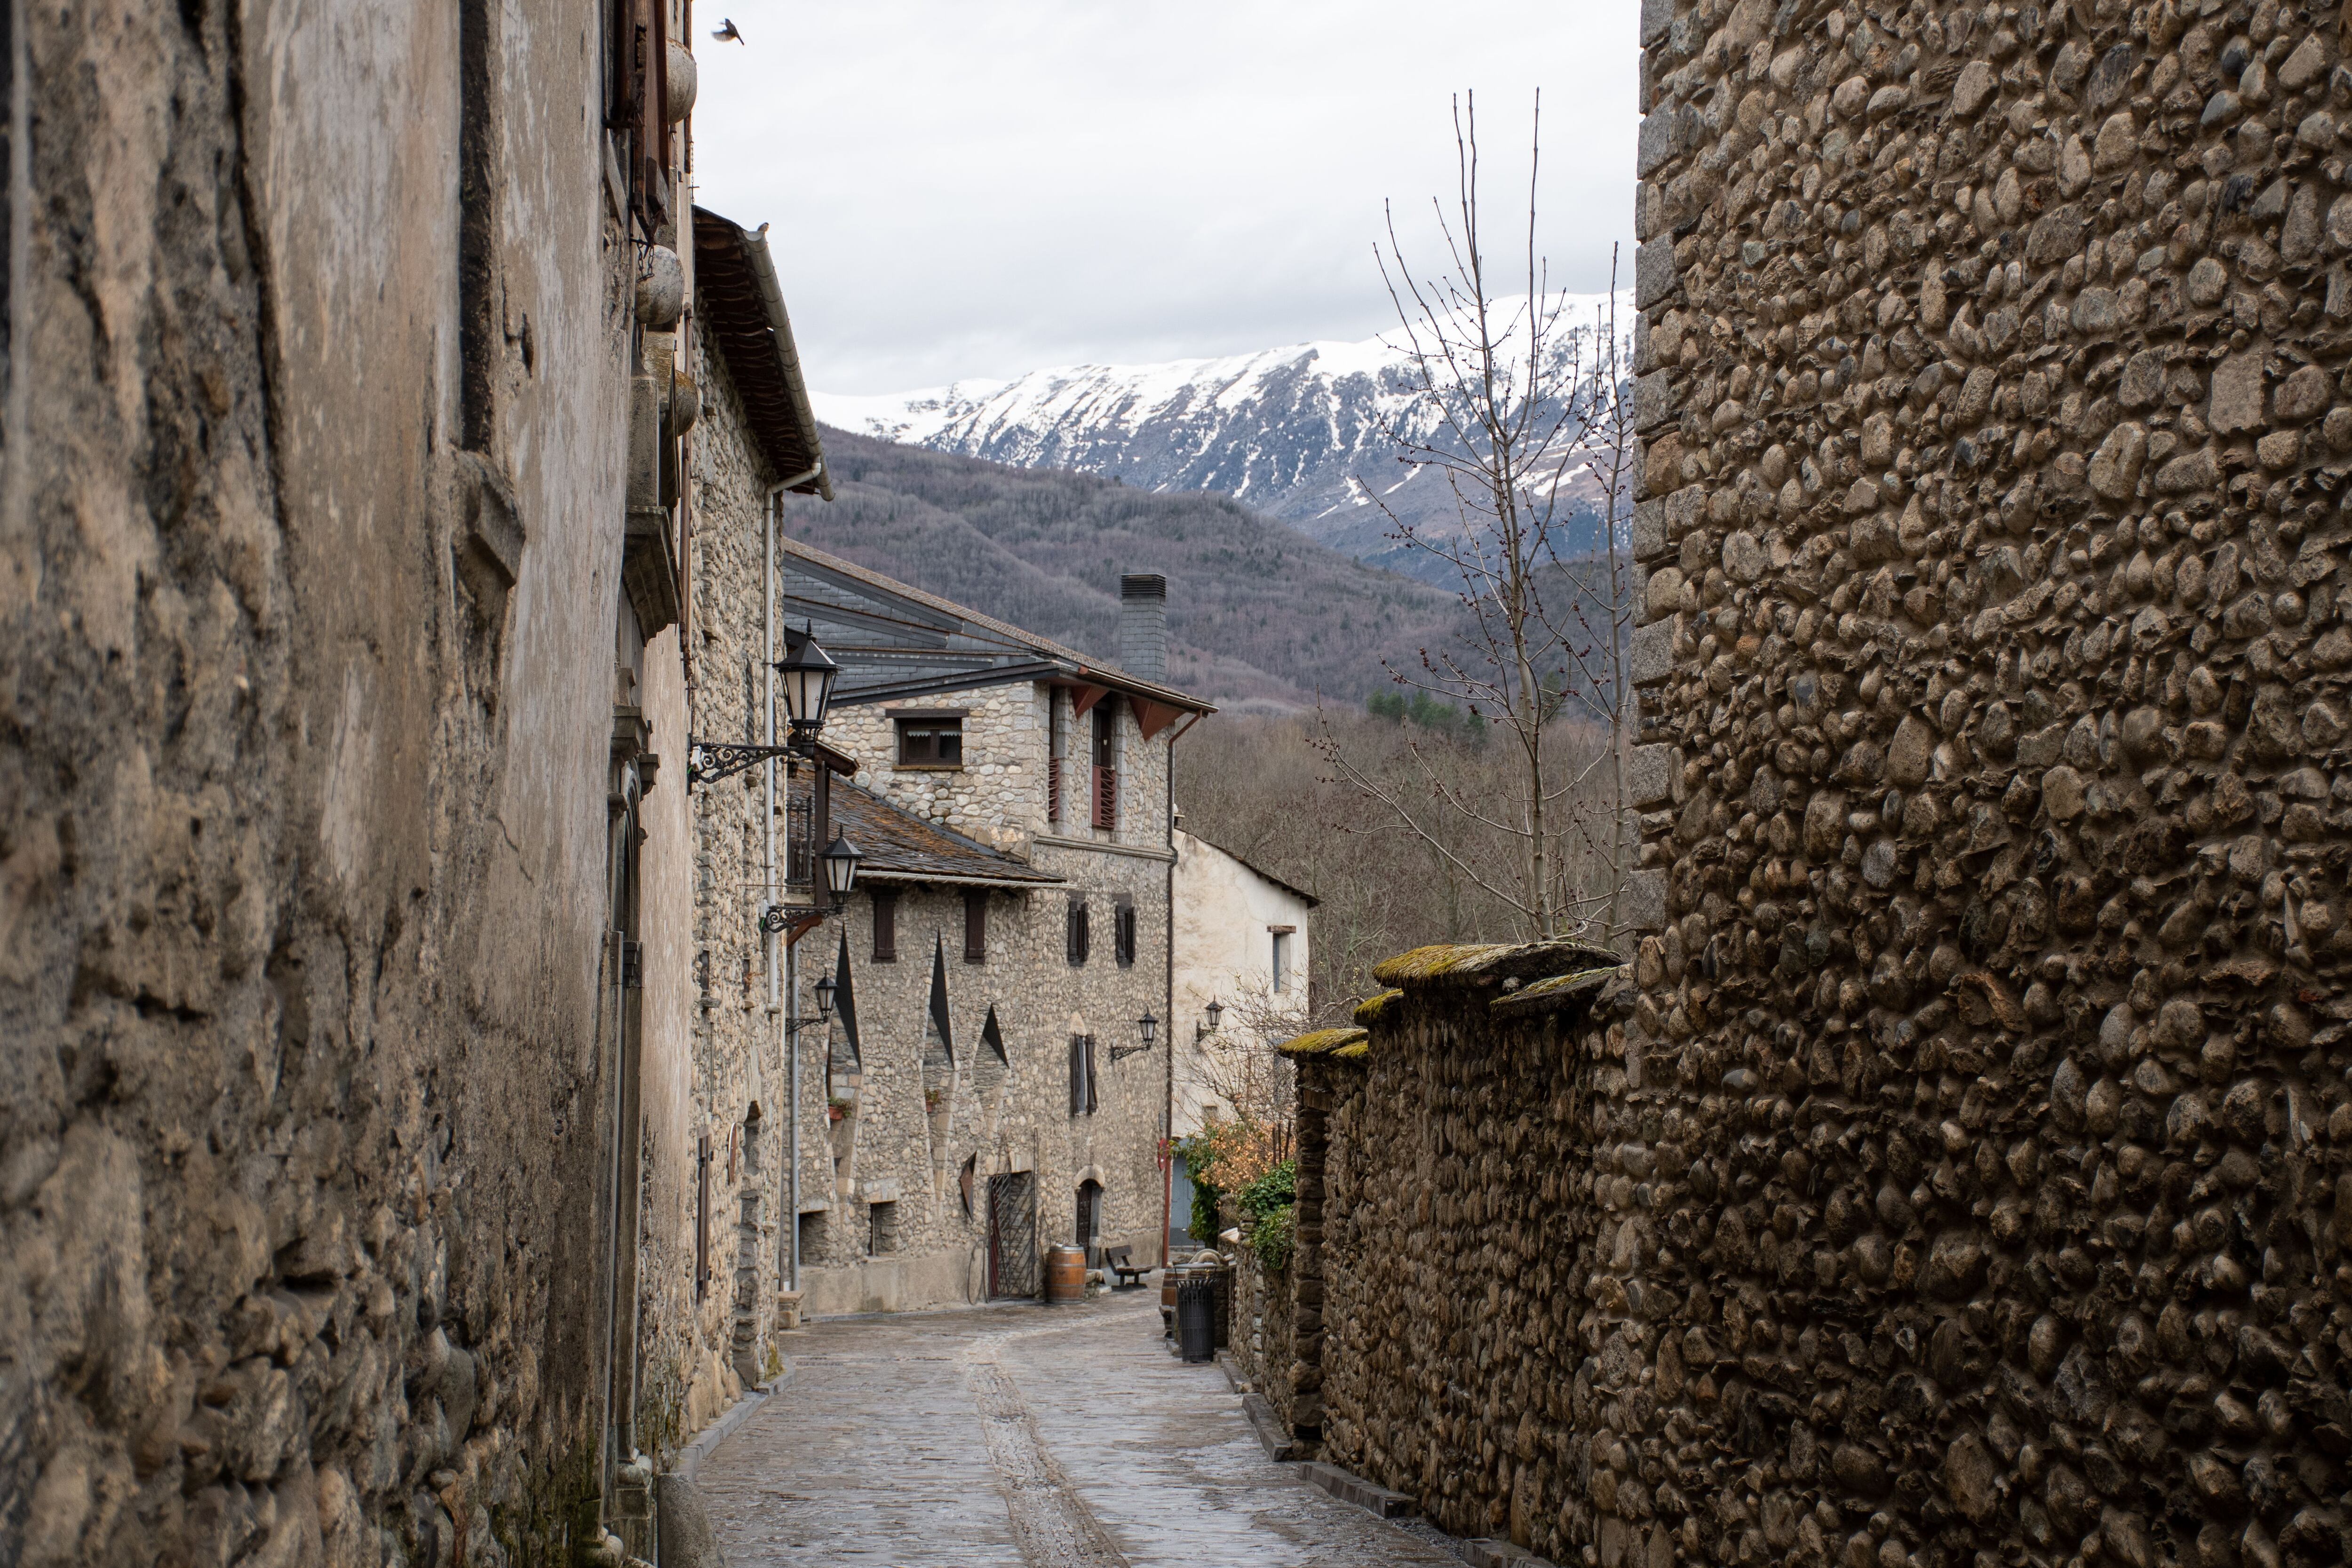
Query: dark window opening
1075 937
886 925
1089 1235
702 1216
882 1232
930 743
812 1235
975 927
1083 1097
1123 932
1103 790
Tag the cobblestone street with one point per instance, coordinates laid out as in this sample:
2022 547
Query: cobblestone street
1020 1437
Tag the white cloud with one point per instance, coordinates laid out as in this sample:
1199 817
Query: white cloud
964 188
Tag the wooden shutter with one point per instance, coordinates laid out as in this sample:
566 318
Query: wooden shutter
1076 941
1123 937
1091 1101
886 925
1077 1074
975 926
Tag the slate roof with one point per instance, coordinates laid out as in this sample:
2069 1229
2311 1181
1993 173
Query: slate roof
899 846
894 640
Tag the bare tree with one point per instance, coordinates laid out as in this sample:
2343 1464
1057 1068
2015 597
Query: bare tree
1521 407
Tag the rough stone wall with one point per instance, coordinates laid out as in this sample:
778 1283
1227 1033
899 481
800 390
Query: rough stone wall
897 1146
1000 796
1993 686
302 830
1264 1332
1442 1310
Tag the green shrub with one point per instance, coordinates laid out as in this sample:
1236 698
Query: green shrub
1273 1238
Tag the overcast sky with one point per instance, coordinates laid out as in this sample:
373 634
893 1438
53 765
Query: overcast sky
966 188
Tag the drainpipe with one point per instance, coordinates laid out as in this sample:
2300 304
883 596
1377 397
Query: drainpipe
790 1221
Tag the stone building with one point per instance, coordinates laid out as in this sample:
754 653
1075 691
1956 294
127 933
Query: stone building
348 531
984 1089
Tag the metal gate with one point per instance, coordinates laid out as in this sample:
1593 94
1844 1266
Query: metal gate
1013 1235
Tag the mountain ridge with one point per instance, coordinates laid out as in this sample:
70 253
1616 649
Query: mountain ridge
1261 618
1301 433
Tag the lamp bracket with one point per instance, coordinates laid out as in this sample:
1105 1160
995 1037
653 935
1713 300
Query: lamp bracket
1118 1051
707 762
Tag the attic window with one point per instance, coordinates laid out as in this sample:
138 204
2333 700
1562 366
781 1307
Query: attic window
930 741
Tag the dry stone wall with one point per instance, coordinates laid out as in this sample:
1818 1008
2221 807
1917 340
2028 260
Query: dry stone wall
1994 688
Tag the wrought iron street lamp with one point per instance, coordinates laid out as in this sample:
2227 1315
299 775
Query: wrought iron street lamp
841 858
824 988
809 673
1149 1027
1214 1013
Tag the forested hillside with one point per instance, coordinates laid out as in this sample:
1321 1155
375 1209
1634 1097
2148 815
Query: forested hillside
1258 614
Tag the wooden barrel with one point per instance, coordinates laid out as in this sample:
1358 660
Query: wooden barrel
1066 1274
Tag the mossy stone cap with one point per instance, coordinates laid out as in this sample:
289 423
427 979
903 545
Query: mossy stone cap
1478 963
1322 1042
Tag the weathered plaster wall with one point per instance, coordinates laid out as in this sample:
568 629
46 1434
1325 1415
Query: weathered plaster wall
1224 913
303 809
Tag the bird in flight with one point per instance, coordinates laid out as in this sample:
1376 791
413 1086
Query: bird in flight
727 33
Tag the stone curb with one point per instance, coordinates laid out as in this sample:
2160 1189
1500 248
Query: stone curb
731 1420
1239 1383
1500 1554
1375 1500
1279 1446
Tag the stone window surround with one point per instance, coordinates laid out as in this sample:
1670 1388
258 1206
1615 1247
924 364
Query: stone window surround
901 718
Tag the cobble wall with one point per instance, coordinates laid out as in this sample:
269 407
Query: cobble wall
1993 662
1962 1185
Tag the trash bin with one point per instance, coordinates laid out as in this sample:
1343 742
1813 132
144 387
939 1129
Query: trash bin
1196 1325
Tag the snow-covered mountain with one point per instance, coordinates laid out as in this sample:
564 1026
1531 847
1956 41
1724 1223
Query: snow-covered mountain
1300 432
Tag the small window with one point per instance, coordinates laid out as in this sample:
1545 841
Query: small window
975 926
1281 961
702 1216
1083 1099
886 925
1075 936
882 1228
812 1235
1123 933
930 743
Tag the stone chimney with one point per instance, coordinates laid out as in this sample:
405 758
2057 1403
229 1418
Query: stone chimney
1143 624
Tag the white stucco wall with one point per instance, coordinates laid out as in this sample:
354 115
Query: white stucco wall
1224 953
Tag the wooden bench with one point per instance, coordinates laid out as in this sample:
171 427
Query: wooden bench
1120 1261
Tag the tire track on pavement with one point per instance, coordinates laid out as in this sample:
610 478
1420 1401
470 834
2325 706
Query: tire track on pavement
1051 1523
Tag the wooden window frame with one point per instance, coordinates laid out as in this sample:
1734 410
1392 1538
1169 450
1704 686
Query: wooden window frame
975 925
1123 932
932 726
885 909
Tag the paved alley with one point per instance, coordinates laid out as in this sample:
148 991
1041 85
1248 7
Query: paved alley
1020 1437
